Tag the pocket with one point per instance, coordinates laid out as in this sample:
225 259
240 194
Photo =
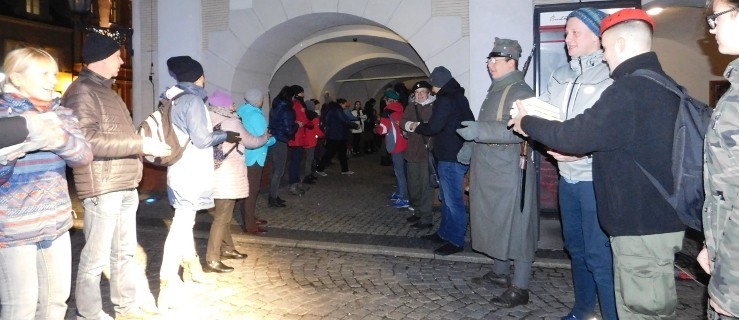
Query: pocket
647 285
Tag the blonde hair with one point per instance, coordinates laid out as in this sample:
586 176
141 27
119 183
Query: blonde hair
18 61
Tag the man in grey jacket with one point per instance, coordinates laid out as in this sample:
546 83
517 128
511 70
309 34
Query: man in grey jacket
574 88
107 186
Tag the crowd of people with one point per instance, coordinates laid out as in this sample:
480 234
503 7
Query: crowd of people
619 232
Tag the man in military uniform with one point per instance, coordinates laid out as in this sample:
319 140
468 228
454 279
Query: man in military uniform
500 227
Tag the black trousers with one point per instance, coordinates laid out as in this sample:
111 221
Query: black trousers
334 147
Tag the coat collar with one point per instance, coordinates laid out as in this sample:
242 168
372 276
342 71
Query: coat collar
647 60
96 78
511 78
732 72
580 64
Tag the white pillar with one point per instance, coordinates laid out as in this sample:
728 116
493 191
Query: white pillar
179 25
502 19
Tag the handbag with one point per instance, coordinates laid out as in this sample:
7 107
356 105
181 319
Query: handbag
433 173
218 155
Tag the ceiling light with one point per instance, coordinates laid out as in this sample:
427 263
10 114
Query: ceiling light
654 11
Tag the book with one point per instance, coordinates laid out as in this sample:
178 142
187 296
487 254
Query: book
537 108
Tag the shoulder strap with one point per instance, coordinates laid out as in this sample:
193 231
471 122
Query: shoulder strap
661 80
501 105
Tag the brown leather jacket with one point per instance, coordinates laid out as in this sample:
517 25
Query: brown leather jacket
107 125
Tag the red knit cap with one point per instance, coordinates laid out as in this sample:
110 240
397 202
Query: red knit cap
623 16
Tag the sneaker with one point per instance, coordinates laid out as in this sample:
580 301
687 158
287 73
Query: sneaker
400 204
347 173
321 173
394 196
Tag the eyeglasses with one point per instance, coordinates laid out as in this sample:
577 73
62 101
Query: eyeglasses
712 18
494 60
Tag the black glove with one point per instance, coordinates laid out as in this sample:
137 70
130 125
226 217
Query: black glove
233 137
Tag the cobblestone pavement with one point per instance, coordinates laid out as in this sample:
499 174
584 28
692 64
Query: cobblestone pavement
340 252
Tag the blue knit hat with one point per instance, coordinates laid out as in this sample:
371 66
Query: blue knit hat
591 17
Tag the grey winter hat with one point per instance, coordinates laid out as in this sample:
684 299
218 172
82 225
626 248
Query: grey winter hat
505 48
440 76
253 96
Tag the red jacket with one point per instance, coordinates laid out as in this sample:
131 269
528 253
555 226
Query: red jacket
300 136
312 135
389 127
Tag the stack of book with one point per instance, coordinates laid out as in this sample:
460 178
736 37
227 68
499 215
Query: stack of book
537 108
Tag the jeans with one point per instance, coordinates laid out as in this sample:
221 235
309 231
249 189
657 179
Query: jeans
179 244
35 280
279 158
308 165
296 155
453 214
110 239
334 147
589 249
400 176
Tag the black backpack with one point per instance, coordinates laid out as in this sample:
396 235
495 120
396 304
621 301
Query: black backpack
691 123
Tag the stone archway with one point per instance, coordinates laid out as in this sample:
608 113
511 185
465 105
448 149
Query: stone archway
265 37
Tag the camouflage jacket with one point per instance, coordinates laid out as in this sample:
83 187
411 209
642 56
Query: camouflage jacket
721 209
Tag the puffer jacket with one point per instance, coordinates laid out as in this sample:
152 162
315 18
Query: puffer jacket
107 125
574 88
253 121
231 181
282 124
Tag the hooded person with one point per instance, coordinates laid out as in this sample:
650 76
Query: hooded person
504 219
231 181
107 185
450 109
192 123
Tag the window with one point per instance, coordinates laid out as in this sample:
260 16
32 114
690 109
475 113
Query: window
33 7
114 12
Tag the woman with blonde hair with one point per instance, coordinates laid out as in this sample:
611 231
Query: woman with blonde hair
721 177
35 209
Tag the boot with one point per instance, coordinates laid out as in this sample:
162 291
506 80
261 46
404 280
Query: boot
274 203
512 297
295 190
169 294
503 281
192 271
